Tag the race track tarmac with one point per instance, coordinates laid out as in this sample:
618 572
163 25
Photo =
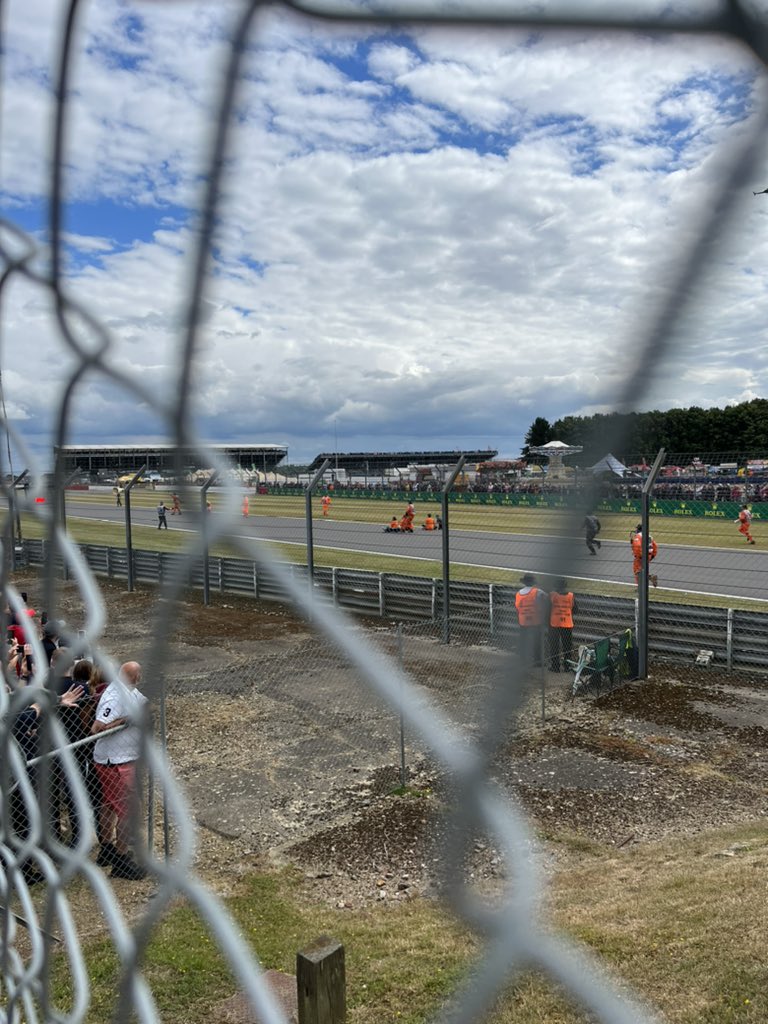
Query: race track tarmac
723 571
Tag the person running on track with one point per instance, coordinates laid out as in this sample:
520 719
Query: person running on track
591 526
406 523
636 540
745 522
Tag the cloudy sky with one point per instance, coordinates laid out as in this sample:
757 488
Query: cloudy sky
425 237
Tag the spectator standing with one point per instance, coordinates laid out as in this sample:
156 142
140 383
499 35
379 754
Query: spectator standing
591 529
531 605
562 605
115 756
161 516
71 717
50 638
24 729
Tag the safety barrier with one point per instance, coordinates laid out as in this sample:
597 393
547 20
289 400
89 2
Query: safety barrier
739 639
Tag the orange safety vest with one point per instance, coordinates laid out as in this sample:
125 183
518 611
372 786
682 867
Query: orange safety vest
528 610
637 547
561 614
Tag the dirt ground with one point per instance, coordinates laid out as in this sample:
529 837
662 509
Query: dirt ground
286 757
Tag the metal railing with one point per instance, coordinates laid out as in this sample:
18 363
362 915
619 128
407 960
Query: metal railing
677 632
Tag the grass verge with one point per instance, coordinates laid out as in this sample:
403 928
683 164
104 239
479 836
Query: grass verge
683 923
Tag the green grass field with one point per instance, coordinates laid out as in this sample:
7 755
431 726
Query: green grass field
679 922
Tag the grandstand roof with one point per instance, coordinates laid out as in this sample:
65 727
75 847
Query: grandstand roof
159 457
375 462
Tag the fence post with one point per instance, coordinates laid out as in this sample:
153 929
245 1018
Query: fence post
308 515
61 506
321 982
382 596
204 528
447 549
491 613
401 663
334 586
729 641
128 536
544 642
642 613
14 515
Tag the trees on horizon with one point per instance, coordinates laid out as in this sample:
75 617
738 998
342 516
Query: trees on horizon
635 436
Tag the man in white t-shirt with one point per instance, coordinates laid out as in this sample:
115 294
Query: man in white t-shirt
115 755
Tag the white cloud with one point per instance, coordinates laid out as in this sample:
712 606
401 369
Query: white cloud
452 234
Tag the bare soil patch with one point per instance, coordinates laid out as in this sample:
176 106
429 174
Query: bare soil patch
285 755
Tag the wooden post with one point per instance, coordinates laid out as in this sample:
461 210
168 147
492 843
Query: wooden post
320 982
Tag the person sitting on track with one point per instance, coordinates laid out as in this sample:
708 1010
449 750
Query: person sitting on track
394 525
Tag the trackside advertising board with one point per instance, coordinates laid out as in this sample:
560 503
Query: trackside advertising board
693 509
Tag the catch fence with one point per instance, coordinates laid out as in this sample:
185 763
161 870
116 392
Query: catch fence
515 936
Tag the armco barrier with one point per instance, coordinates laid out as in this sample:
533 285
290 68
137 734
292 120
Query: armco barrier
738 639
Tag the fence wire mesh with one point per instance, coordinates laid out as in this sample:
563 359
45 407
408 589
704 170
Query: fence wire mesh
359 683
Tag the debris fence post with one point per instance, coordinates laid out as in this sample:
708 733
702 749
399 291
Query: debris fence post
401 663
447 549
204 530
128 535
642 606
308 514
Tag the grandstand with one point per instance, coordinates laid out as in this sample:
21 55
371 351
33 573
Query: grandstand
376 463
114 459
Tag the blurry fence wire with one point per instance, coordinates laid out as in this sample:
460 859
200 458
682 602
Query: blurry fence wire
514 936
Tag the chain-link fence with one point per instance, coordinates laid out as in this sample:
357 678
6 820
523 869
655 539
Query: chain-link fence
46 803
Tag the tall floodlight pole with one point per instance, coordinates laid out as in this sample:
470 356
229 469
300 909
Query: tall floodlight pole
642 597
308 513
447 550
128 534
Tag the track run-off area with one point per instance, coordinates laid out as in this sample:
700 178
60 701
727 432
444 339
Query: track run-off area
718 571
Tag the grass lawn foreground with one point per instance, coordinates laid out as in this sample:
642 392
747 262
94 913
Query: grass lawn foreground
682 922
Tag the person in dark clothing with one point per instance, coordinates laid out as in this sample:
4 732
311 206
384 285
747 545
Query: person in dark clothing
50 638
161 513
71 717
25 733
591 526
